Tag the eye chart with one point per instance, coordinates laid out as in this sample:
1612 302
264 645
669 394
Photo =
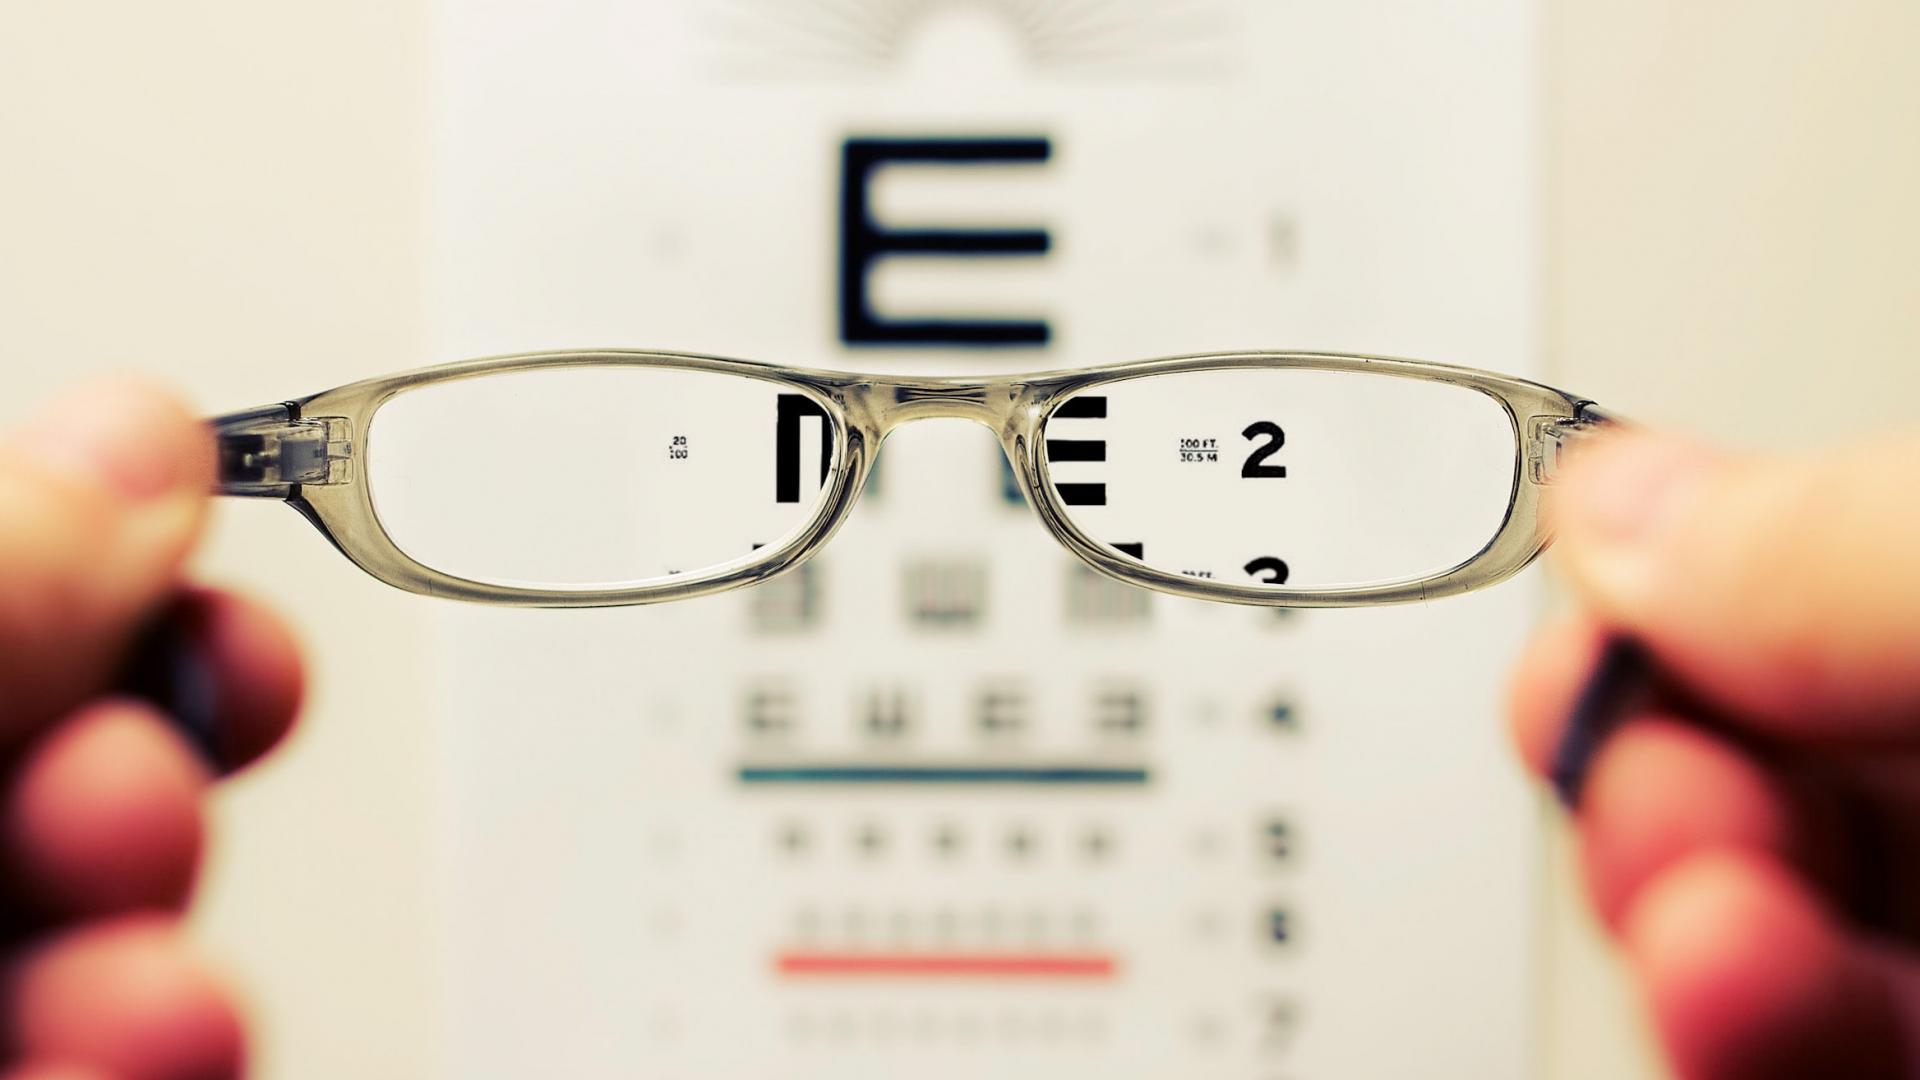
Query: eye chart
943 803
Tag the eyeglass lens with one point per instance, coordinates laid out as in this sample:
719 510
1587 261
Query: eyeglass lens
1312 479
582 478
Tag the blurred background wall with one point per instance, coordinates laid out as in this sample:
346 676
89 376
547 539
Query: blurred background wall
1730 236
227 195
1731 251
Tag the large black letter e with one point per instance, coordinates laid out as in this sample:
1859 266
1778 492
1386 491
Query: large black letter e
863 243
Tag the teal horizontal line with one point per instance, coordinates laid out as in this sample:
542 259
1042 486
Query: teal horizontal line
943 774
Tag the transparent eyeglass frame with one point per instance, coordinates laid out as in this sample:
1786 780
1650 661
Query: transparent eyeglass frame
304 451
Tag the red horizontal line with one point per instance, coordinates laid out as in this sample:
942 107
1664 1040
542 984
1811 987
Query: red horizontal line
947 965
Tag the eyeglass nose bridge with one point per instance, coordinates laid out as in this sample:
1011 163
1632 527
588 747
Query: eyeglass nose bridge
880 405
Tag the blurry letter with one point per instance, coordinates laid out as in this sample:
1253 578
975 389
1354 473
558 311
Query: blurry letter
862 242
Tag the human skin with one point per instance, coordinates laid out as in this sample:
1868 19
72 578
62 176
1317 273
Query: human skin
102 801
1751 835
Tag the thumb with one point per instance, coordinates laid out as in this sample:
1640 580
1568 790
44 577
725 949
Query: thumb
1783 590
100 498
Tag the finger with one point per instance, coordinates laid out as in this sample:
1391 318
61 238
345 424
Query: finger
1747 979
103 815
1558 661
1786 592
1666 785
53 1071
100 499
224 669
1662 791
126 998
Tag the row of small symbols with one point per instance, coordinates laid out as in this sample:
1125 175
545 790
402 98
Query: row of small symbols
873 841
1007 1027
1273 1027
1275 926
1000 710
988 924
1276 841
951 594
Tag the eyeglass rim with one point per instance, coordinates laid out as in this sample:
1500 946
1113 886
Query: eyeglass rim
862 409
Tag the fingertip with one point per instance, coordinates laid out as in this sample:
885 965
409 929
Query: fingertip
103 815
101 497
223 669
1546 682
1661 791
54 1071
1624 484
258 671
1615 514
1747 978
127 998
133 435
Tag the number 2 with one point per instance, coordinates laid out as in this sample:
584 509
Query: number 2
1276 439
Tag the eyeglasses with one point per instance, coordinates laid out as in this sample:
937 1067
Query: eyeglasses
576 479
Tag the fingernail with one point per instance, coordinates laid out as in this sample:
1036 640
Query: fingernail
105 435
1619 681
169 667
1619 500
1629 486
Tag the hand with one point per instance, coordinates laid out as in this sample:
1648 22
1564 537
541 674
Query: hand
1751 835
102 797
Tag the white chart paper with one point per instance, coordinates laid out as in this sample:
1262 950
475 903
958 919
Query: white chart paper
1284 846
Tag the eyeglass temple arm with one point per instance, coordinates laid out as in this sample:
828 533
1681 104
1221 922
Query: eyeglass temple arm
1553 438
267 452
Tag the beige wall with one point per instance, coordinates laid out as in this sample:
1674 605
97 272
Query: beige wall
1732 229
1731 222
1733 217
225 193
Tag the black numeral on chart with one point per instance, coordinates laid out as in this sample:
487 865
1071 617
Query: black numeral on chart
1256 465
1274 569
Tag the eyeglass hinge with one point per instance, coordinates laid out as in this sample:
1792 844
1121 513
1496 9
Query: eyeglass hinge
1551 437
268 450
